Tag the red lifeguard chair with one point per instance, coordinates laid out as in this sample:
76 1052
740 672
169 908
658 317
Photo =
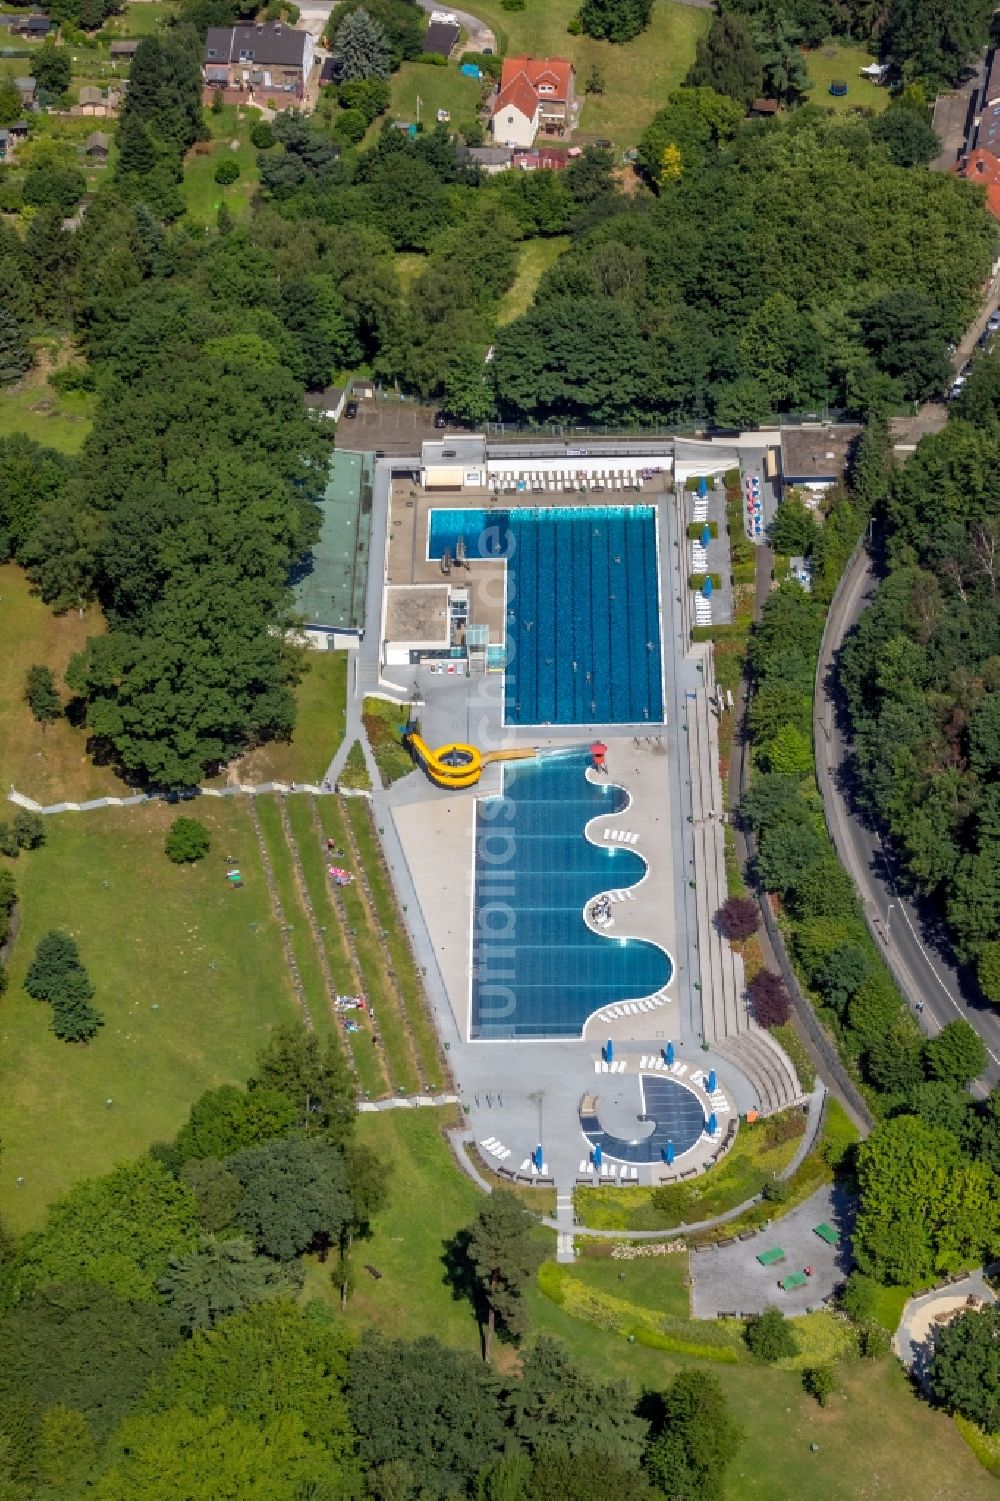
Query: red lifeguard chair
599 752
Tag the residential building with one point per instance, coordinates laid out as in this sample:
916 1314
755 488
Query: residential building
35 26
91 100
534 95
6 146
123 51
268 60
541 158
27 88
489 159
96 146
814 458
983 166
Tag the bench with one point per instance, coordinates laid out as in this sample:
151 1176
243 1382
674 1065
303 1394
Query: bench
828 1233
772 1257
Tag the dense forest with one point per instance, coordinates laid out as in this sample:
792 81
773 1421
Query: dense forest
929 1196
156 1345
762 267
922 675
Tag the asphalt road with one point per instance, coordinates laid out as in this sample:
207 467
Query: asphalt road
925 971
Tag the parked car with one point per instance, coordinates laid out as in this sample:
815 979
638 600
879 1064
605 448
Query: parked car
957 387
985 338
440 420
993 321
351 409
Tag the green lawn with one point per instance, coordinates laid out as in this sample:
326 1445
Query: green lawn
397 944
429 1200
369 947
320 717
142 19
47 763
354 773
437 88
536 258
202 193
47 416
836 61
872 1441
651 1281
190 979
409 265
638 76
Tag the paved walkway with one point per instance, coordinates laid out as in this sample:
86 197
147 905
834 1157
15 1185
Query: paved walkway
913 1341
728 1279
245 789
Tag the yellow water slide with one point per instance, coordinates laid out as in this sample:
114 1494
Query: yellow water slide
459 765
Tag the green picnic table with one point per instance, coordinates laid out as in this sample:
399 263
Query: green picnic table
792 1281
772 1257
826 1232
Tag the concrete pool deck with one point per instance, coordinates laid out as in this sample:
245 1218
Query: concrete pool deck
436 830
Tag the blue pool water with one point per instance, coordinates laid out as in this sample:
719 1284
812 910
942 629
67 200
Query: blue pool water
538 970
583 631
677 1114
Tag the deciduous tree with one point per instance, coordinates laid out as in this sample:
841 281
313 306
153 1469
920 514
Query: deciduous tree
965 1367
504 1256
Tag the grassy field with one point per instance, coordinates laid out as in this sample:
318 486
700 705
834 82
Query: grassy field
536 258
189 975
202 194
836 61
142 19
637 76
437 88
321 714
409 265
47 763
60 421
429 1200
872 1440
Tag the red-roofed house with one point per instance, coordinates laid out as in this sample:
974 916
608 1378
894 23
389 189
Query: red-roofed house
983 167
535 94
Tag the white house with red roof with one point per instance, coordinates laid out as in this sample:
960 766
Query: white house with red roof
534 94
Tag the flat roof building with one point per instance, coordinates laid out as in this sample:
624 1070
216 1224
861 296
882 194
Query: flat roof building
816 457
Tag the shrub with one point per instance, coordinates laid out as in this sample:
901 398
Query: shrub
262 136
769 999
73 378
218 102
820 1382
227 172
777 1191
349 126
738 918
187 841
769 1336
28 829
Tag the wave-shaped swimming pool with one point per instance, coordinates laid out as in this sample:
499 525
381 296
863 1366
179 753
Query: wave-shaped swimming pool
538 970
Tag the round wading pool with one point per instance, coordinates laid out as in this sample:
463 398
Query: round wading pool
669 1111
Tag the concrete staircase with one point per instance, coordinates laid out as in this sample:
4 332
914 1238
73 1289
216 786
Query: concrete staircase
766 1064
726 1023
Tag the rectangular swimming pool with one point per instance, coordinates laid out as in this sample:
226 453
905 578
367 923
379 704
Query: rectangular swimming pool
582 608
